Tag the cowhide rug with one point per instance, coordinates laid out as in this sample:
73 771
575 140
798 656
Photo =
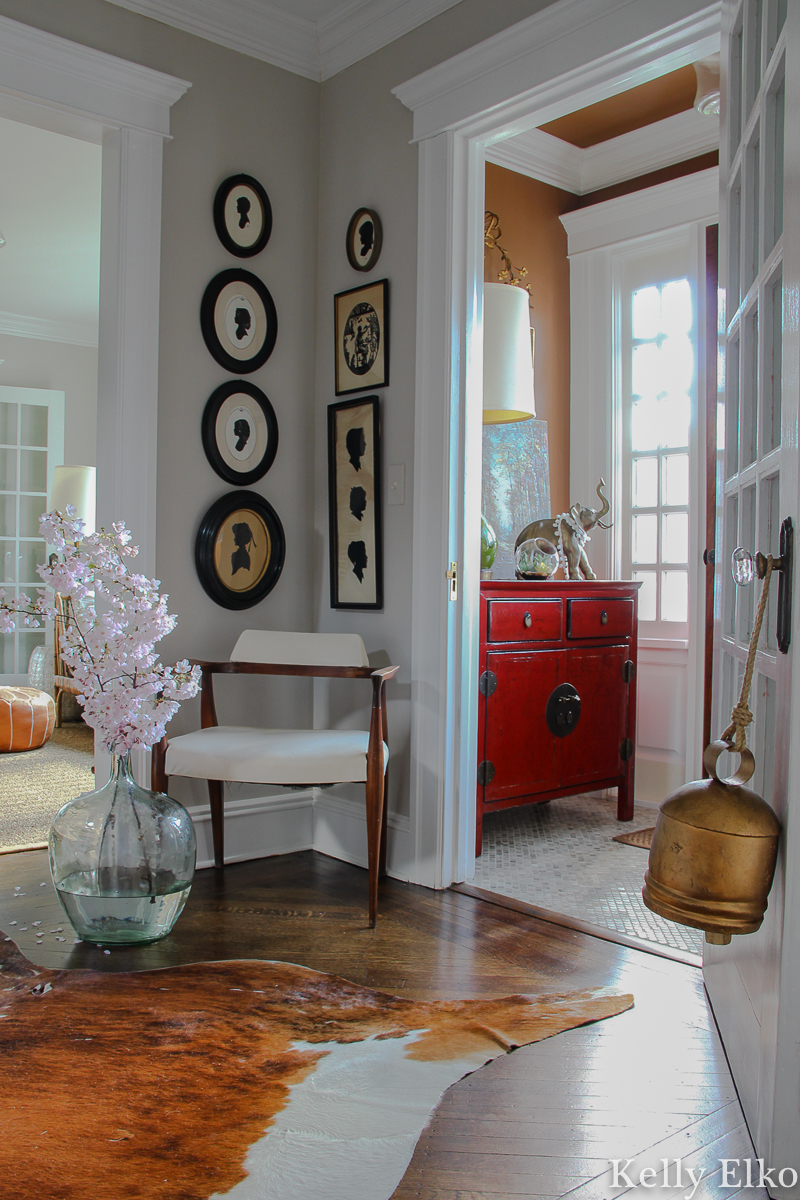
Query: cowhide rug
249 1080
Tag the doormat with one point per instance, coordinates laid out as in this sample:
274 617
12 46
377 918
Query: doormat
246 1080
639 837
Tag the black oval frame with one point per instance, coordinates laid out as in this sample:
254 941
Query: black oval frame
207 307
209 427
223 191
204 549
377 244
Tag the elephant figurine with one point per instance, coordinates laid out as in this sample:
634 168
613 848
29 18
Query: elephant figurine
569 532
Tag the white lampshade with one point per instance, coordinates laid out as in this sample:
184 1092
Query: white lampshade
507 355
75 485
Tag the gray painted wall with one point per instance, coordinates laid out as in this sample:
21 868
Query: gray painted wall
366 159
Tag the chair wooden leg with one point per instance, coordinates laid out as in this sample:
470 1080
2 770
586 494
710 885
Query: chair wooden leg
58 697
375 822
216 796
384 823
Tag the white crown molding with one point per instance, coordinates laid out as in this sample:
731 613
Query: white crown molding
362 27
651 210
552 160
73 333
251 27
494 78
661 144
540 156
316 50
46 69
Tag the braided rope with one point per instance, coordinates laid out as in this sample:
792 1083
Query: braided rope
741 716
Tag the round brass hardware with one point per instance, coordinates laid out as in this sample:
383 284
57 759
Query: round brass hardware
528 620
604 617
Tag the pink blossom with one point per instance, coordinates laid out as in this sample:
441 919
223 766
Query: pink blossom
128 694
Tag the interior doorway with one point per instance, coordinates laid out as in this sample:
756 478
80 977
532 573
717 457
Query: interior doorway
49 312
456 121
638 315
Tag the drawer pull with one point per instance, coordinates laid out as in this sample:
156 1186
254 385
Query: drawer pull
528 620
604 617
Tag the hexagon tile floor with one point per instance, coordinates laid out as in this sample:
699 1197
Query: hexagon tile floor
561 856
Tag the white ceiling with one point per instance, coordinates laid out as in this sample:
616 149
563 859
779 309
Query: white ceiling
315 38
50 218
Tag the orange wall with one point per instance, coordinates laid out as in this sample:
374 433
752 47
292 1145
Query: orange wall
533 237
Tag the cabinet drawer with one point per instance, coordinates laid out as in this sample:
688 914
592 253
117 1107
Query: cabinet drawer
524 620
599 618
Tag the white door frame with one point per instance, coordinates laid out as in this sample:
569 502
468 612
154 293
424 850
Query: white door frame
48 81
579 52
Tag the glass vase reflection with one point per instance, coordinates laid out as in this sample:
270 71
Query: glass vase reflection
535 558
122 860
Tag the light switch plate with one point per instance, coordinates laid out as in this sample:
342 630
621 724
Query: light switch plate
397 484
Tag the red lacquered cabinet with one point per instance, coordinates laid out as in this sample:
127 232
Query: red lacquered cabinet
557 707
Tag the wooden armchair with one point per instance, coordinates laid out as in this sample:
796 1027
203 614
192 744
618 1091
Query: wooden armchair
62 674
288 757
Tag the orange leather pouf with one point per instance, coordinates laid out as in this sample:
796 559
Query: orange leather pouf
27 717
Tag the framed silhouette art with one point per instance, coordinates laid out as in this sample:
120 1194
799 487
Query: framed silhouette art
364 239
238 321
361 324
239 550
240 432
242 215
354 504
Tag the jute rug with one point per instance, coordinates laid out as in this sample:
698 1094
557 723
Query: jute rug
246 1080
639 837
35 783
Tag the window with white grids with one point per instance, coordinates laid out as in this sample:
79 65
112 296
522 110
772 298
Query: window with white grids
659 373
31 445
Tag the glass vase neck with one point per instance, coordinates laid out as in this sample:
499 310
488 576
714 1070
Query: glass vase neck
121 765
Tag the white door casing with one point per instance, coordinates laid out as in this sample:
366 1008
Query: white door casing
578 52
57 84
753 983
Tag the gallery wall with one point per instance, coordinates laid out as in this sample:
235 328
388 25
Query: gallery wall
320 151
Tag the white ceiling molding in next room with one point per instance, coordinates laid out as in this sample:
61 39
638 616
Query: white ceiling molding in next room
552 160
315 38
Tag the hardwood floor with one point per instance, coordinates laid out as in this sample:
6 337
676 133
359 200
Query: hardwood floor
545 1120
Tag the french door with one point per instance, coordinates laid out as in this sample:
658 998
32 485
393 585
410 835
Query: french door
753 982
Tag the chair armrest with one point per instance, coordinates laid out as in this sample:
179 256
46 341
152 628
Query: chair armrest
256 668
385 673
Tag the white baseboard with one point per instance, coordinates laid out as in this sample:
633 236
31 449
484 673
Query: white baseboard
301 820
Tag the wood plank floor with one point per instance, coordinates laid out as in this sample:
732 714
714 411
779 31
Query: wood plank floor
545 1120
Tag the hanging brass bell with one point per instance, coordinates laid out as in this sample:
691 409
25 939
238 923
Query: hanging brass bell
713 853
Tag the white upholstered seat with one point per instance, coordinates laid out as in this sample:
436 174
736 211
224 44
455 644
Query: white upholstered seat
281 756
289 757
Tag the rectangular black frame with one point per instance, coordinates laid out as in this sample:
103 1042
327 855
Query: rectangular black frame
348 381
354 504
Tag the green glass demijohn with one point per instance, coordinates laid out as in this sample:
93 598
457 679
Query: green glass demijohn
122 860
